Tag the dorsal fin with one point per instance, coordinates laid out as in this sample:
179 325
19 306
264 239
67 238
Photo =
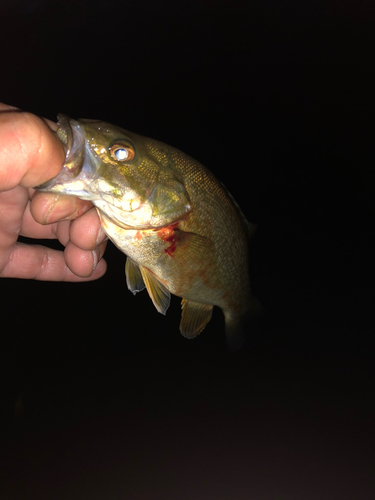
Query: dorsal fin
249 226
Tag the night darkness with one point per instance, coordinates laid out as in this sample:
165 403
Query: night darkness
101 397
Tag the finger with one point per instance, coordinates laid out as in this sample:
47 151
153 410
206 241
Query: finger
47 208
62 232
32 229
81 262
12 207
41 263
30 152
86 232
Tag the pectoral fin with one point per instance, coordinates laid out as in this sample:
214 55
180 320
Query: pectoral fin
196 246
133 275
194 317
191 250
158 293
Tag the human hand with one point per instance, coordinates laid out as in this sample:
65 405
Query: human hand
31 154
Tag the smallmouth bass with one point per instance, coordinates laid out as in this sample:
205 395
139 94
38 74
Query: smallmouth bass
181 230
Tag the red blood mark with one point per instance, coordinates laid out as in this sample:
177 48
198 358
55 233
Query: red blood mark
171 235
138 235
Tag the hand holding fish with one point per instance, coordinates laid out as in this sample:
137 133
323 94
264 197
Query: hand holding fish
30 154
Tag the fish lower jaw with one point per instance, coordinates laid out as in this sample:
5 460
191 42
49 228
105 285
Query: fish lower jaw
141 218
106 219
110 215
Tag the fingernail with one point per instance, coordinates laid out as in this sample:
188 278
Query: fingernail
101 236
59 210
96 259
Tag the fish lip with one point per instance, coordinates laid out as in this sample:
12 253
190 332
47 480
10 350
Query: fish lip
72 138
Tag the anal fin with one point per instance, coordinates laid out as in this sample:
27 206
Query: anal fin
158 293
194 317
133 275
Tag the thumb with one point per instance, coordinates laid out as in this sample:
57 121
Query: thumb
30 151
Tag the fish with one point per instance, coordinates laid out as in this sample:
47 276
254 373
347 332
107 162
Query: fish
180 228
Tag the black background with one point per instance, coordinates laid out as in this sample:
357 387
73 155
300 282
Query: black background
102 397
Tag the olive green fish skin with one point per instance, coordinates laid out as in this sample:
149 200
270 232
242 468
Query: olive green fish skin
179 227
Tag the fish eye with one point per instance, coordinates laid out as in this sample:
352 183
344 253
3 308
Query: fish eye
122 152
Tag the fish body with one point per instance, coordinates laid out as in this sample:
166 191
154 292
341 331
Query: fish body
181 230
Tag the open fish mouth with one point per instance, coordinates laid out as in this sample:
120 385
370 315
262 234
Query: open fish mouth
72 136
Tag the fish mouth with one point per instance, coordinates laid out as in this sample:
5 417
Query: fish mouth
80 176
72 137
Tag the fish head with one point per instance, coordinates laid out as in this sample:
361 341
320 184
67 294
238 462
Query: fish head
123 174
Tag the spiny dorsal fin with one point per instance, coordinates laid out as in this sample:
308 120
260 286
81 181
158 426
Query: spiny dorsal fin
133 275
194 317
158 293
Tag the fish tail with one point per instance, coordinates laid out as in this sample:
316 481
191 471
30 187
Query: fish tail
234 332
235 326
